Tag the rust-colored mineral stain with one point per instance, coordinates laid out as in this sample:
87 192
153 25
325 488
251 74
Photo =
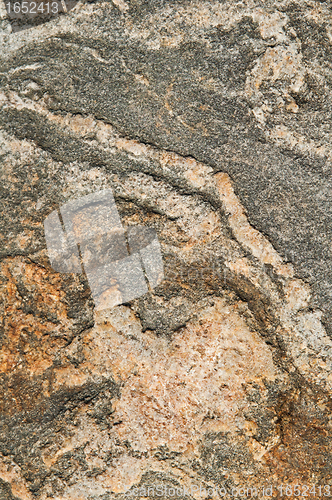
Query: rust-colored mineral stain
28 296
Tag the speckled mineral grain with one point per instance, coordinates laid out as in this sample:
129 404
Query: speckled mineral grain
211 123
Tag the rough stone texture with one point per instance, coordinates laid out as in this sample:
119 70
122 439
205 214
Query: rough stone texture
211 123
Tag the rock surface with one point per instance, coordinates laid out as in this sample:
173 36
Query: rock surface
210 121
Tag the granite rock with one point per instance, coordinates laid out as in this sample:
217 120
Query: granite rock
210 121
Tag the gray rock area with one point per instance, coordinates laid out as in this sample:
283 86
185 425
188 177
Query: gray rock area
211 124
